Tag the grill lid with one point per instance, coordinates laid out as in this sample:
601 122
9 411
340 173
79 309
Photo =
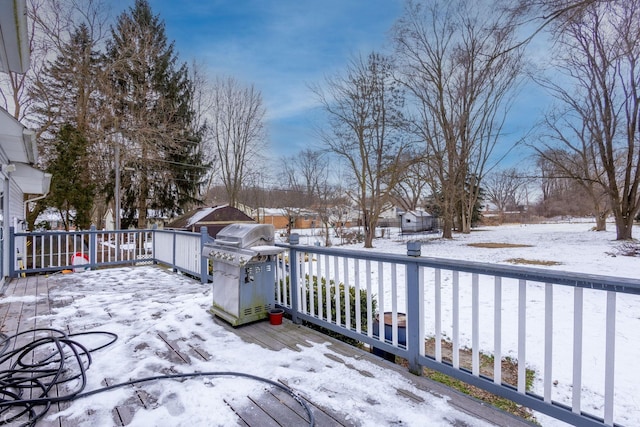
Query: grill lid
239 244
245 235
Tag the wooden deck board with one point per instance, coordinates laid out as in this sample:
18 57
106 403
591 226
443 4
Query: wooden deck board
263 407
252 414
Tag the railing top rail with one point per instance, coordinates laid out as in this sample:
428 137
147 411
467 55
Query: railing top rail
582 280
78 232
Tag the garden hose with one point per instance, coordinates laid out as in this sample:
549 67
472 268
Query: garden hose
65 360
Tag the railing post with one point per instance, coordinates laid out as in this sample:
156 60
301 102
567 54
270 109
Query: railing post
173 255
12 253
414 310
93 247
154 230
204 262
294 239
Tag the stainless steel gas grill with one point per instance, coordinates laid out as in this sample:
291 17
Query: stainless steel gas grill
244 264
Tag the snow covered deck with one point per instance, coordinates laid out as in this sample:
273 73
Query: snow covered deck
164 328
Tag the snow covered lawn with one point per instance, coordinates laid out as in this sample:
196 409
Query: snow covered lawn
571 247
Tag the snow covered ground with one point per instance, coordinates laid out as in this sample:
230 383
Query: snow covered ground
176 306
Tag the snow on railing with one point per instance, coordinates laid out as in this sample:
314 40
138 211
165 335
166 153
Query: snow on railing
556 331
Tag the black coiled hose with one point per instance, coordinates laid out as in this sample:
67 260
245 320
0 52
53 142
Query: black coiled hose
30 372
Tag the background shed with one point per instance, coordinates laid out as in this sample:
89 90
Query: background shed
214 218
416 221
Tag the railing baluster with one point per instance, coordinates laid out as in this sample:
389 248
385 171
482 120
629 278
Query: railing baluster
394 305
347 293
577 350
455 312
381 300
369 299
304 284
42 264
327 292
422 327
522 336
314 285
337 275
357 299
610 359
321 289
548 341
438 314
475 326
279 278
50 261
497 330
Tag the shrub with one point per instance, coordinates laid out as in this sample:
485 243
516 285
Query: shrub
317 294
313 286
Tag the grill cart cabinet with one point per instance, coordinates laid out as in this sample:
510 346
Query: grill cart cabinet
244 266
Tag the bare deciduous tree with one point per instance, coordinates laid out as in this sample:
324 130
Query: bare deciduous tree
459 61
51 24
570 149
412 187
505 189
238 132
365 114
598 56
307 174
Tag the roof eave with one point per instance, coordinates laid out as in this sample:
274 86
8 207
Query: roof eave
14 37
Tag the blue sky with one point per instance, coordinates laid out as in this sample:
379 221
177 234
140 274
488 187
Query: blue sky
280 46
283 46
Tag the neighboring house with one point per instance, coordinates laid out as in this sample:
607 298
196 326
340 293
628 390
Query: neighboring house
18 151
416 221
307 219
49 219
109 220
280 218
390 217
274 216
214 218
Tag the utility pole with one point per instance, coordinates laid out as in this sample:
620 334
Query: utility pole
117 189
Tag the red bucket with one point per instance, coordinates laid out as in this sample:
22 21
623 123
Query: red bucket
275 316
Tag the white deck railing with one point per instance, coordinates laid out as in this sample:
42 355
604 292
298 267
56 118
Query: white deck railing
565 327
562 326
41 252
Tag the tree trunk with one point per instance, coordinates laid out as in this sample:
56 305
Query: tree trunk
624 227
369 229
465 222
142 204
327 237
447 227
601 221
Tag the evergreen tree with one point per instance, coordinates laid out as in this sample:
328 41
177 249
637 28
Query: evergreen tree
66 108
151 97
71 192
66 91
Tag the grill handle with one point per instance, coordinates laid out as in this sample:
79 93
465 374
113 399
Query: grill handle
227 242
